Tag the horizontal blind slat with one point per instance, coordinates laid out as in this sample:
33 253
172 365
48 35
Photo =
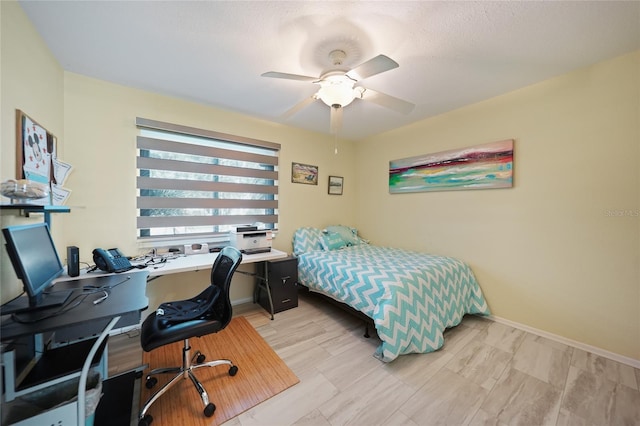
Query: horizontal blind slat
203 203
198 185
181 221
146 163
153 144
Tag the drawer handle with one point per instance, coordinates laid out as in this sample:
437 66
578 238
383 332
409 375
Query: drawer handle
286 300
284 279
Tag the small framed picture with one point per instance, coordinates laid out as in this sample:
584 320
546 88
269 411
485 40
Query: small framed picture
304 173
335 185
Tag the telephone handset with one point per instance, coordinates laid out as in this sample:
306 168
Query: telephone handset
111 260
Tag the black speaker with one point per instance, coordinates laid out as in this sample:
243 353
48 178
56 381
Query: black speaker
73 261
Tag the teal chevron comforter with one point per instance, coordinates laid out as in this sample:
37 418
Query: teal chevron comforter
412 297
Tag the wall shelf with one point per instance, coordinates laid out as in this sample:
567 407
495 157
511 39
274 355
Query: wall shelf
27 209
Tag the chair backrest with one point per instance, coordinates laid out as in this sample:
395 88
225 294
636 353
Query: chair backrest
222 272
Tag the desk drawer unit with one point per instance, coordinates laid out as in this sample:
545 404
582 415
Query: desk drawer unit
282 277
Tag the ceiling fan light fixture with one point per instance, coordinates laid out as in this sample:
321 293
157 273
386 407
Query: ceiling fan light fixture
336 90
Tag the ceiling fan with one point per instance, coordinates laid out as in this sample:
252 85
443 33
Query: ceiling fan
339 87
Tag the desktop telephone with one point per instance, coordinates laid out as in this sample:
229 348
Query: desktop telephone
111 260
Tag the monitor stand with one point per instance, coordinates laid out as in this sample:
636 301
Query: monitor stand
49 300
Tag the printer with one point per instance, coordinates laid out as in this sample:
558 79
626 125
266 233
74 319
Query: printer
250 240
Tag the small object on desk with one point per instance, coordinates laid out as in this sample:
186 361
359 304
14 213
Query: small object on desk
196 248
73 261
251 242
101 299
246 228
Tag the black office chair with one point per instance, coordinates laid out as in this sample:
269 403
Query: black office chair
208 312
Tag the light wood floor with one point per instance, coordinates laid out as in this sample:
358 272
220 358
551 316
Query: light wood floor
486 374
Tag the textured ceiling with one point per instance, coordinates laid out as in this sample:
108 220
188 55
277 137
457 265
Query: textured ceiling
450 53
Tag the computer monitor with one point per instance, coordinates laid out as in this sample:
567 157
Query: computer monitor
36 262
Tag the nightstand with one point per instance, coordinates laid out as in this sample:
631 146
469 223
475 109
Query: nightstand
282 281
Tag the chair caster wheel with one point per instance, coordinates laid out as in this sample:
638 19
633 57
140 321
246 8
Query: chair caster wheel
233 370
209 409
200 359
146 420
151 382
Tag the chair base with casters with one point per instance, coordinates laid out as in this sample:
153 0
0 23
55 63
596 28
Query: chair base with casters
185 371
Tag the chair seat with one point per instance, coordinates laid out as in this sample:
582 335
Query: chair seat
154 334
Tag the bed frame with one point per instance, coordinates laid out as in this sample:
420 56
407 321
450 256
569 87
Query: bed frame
368 321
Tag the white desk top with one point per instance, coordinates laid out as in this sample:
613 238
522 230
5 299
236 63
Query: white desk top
182 263
197 262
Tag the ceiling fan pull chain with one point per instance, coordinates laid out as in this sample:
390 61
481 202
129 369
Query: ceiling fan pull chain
336 123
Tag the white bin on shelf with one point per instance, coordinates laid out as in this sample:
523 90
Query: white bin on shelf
55 405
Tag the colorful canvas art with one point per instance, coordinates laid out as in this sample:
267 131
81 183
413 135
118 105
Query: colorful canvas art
477 167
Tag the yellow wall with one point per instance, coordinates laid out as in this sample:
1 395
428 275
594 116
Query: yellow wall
551 252
546 252
30 80
100 141
95 123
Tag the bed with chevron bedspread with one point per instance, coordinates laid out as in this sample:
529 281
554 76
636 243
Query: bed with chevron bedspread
412 297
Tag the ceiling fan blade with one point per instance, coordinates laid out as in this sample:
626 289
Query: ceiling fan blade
380 63
387 101
335 120
299 106
274 74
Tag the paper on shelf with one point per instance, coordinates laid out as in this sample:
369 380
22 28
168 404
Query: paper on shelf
59 195
61 171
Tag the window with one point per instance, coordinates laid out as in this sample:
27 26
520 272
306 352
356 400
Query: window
198 183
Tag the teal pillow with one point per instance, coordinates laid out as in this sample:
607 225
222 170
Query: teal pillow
307 239
348 235
332 241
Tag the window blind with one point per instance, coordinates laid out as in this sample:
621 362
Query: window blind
195 183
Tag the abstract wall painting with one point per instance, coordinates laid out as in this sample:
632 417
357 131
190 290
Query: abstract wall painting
477 167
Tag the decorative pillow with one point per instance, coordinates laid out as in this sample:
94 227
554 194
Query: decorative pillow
306 240
349 235
332 241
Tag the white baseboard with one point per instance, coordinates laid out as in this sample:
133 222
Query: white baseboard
242 301
573 343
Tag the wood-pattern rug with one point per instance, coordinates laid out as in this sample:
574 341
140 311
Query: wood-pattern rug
261 375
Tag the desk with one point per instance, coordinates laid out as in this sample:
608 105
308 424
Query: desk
198 262
126 300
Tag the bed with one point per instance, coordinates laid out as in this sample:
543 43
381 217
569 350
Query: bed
411 297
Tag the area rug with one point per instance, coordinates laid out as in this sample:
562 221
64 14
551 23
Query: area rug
261 375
